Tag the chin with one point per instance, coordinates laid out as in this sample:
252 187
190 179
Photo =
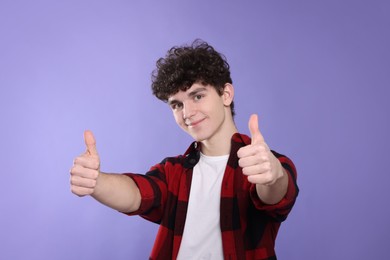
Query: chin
198 138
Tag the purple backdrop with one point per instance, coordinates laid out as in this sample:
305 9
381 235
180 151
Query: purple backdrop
317 72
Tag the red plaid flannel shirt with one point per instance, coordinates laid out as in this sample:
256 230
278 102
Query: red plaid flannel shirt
248 226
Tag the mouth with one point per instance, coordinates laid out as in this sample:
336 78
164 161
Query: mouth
193 123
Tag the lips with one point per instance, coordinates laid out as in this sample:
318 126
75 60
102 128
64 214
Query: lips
193 123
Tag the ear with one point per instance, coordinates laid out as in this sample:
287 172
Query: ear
228 94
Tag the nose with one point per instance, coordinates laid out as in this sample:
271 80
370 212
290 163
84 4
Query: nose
188 110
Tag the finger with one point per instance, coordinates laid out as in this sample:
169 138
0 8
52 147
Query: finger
256 169
78 170
90 142
81 191
87 162
249 161
263 179
253 125
251 150
82 182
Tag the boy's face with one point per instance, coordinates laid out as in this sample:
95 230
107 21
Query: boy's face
201 111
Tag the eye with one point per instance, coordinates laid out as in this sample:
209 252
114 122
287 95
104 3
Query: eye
198 97
176 106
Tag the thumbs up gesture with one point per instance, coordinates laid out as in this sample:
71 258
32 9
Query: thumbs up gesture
86 168
256 159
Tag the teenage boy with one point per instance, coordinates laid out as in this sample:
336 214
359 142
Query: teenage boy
226 196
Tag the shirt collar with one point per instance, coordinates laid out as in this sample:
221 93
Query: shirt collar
192 155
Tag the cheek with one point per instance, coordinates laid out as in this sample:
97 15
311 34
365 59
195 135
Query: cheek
178 118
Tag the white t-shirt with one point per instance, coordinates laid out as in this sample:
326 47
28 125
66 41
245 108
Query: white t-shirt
202 232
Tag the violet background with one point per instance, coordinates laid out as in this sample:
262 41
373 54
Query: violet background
316 72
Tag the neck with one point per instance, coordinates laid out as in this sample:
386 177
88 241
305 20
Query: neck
219 145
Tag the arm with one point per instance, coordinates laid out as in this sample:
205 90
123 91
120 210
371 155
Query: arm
113 190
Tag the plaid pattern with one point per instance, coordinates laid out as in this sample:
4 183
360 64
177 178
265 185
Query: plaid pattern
249 227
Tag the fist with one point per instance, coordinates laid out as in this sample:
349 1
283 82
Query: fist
256 159
86 168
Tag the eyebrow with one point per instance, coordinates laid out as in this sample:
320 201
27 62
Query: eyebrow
196 91
191 94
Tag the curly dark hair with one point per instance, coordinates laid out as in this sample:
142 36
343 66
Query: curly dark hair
185 65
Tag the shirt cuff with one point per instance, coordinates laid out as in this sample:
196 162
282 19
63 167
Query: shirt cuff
287 201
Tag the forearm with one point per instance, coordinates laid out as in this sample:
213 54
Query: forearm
272 194
118 192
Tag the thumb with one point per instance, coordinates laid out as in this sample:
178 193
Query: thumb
256 135
90 142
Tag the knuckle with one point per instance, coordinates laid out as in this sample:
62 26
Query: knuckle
92 183
75 191
95 175
72 182
252 178
240 163
76 160
94 163
75 181
75 171
260 148
264 157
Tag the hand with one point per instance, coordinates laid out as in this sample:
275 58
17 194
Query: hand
256 159
86 168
